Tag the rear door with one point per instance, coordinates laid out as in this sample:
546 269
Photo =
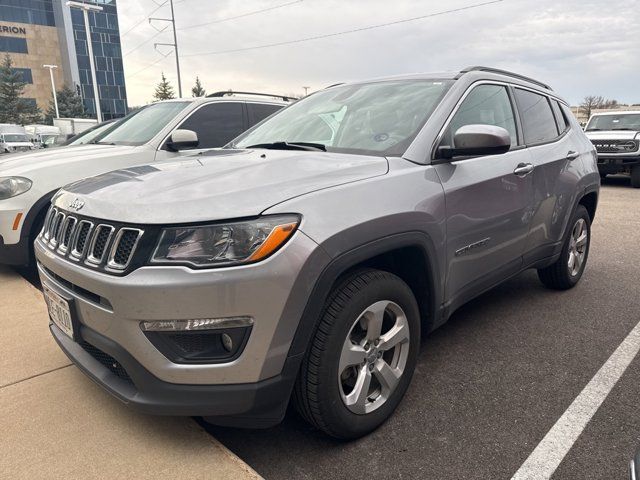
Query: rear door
487 201
259 111
554 155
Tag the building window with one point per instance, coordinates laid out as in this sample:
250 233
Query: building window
27 77
34 12
13 44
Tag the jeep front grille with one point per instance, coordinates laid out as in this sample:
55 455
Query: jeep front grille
97 244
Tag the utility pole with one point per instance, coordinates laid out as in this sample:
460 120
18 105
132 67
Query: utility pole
86 7
53 87
174 44
306 89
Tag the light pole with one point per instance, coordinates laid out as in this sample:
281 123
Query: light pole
53 87
306 89
85 7
174 44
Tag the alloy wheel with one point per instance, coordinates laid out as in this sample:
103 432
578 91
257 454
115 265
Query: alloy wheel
577 246
374 356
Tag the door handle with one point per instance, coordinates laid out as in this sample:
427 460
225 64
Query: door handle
523 169
571 155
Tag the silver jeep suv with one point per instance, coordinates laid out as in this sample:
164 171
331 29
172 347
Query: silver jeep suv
305 260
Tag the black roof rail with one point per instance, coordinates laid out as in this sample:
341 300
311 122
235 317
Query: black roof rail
502 72
232 92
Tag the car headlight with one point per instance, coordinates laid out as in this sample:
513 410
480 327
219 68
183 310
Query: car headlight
224 244
13 186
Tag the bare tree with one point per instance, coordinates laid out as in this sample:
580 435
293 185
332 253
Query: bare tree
592 102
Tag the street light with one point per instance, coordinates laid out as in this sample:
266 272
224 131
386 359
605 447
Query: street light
85 7
53 87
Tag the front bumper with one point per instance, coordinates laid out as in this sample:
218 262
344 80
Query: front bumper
260 404
14 254
115 306
616 164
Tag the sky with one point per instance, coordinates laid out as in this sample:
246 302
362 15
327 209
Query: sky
579 47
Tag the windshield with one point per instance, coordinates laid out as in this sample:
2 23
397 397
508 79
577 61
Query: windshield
380 118
15 137
141 126
619 121
90 134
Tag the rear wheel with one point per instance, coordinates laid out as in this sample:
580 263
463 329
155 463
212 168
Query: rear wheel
361 357
635 176
566 272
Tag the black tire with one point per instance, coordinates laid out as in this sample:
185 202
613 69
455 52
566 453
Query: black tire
603 176
635 176
558 275
317 393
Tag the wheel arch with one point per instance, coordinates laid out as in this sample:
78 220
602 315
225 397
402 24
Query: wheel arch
403 254
37 210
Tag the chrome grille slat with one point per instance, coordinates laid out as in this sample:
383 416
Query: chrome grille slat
81 239
66 233
56 226
124 247
99 243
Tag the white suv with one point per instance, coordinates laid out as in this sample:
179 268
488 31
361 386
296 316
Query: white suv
154 133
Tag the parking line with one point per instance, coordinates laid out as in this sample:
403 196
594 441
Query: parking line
546 457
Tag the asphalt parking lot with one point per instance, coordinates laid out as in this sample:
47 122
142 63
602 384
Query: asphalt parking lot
493 381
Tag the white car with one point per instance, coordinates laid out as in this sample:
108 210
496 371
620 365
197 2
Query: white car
154 133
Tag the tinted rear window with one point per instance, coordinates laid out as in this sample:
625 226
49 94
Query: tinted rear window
260 111
537 118
557 110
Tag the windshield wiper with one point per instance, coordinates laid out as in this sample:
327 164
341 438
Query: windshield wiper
308 146
593 129
623 128
96 142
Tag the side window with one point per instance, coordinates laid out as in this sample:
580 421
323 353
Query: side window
216 123
485 104
537 118
260 111
562 121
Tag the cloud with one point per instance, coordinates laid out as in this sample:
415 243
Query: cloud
580 47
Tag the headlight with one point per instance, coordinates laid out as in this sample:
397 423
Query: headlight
225 244
13 186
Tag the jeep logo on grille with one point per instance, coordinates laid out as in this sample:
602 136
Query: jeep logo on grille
76 205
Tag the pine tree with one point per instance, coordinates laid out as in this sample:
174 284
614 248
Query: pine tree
164 90
14 108
69 105
197 90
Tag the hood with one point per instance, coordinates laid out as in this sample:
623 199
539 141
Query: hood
217 185
23 163
612 135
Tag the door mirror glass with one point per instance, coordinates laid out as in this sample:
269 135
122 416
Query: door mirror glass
473 140
182 140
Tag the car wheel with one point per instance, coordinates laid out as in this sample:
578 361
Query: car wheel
635 176
362 355
566 272
603 176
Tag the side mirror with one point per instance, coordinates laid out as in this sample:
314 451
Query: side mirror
182 140
478 140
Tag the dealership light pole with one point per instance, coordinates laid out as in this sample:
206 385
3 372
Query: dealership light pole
85 7
53 87
174 44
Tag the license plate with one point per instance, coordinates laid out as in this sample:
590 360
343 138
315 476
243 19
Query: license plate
59 311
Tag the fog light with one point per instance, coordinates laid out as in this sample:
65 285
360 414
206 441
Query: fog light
227 343
209 340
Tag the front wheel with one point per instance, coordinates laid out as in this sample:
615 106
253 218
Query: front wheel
566 272
362 355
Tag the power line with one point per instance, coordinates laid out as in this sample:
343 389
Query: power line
255 12
146 67
143 43
335 34
144 18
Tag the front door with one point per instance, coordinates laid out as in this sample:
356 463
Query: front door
488 200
